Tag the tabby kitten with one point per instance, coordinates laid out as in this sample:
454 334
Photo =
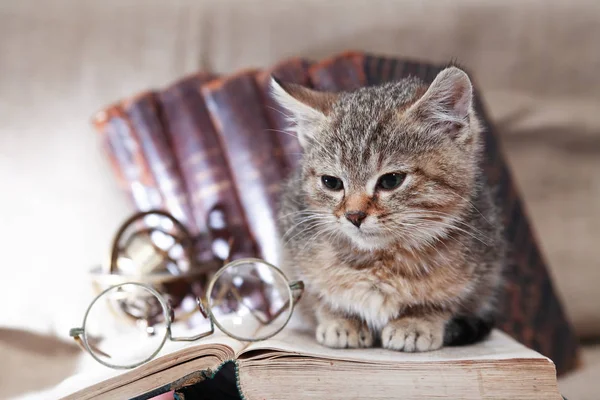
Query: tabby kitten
388 219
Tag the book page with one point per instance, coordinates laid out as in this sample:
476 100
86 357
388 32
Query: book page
498 346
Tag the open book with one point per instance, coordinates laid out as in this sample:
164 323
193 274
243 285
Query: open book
293 362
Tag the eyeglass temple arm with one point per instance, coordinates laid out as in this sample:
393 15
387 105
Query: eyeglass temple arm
199 336
76 333
297 288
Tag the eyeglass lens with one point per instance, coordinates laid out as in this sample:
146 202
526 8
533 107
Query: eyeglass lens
137 328
250 300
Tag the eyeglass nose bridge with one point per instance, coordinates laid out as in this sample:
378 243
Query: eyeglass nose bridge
205 313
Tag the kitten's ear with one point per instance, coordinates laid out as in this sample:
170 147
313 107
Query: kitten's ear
447 103
308 107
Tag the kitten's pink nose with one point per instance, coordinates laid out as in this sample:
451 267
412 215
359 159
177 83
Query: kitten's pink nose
356 217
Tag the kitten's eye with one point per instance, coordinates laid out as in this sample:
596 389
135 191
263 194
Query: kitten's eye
390 181
331 182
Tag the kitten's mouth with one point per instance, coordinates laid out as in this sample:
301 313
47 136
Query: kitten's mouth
366 233
366 238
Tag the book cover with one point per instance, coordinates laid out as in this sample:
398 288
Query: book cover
203 165
144 115
126 157
252 153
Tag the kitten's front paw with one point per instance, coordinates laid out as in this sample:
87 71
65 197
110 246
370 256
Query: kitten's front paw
413 334
342 333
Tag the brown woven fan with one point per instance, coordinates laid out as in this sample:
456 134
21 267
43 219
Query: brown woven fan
212 141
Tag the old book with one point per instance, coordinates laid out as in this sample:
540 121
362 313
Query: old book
224 138
202 162
126 156
144 114
293 364
176 138
252 152
134 135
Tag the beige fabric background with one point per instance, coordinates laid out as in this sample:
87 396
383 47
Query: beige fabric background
536 61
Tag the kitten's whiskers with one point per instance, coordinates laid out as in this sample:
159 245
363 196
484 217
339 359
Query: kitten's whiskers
313 225
305 220
422 214
472 205
431 222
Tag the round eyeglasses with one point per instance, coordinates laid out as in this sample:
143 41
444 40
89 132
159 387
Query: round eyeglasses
247 299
